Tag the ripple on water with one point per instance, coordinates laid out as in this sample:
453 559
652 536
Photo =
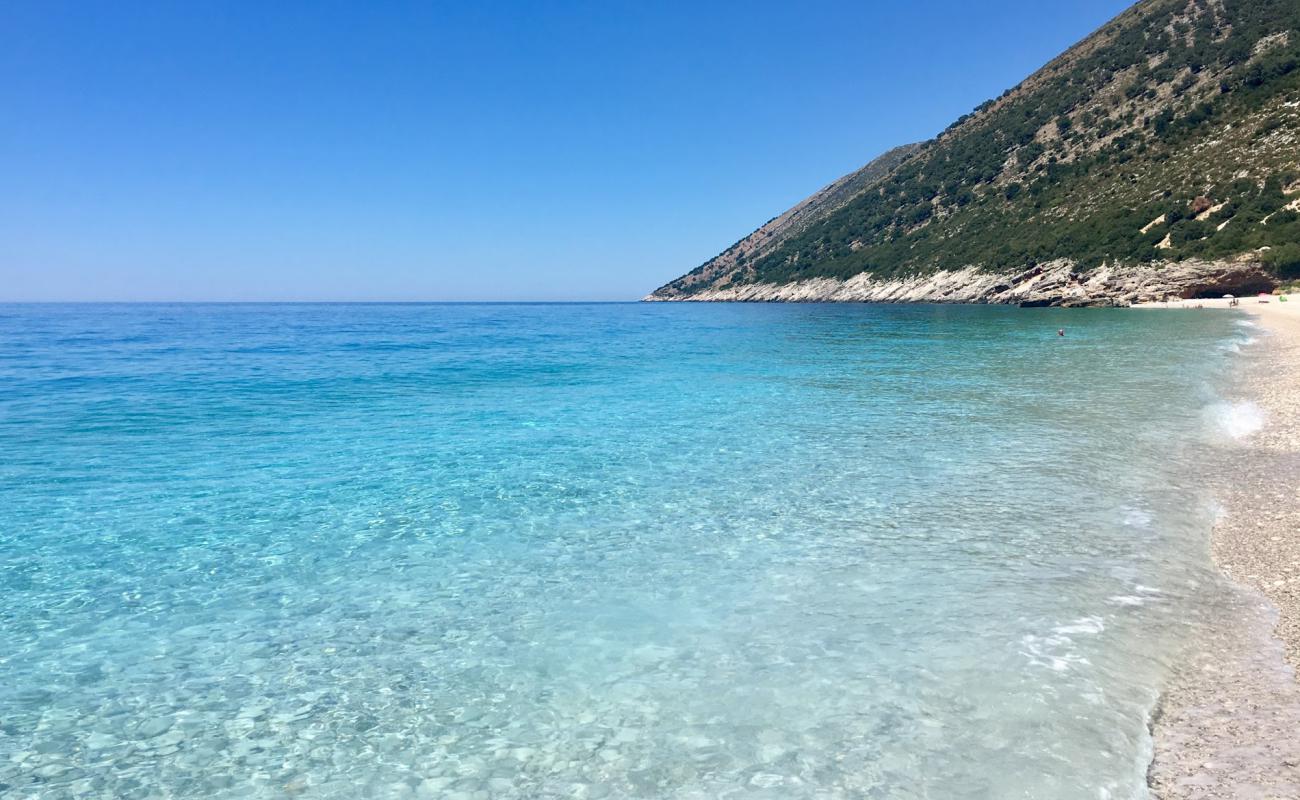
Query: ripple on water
592 551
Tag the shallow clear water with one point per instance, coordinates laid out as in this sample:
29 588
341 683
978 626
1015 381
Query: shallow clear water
596 550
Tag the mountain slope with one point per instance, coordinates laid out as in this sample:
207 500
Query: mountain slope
1169 136
808 212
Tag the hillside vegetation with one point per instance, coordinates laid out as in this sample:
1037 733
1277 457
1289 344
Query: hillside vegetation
1170 134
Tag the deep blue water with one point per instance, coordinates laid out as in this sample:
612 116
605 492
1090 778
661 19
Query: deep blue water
537 551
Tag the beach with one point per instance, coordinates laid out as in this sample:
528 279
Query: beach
1226 726
1261 549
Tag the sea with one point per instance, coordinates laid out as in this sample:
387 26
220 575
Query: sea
600 550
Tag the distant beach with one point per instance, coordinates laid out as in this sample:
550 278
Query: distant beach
1227 725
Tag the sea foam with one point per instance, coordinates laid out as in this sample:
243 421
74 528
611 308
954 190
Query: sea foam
1235 420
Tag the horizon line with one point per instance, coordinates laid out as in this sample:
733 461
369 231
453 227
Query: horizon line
311 302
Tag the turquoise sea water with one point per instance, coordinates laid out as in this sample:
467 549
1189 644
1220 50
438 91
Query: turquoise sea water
335 551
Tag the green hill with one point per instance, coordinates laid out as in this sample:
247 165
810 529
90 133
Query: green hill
1170 135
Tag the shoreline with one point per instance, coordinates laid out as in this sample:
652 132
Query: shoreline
1226 724
1259 547
1059 283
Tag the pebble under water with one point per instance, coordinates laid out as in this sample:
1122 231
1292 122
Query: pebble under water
585 551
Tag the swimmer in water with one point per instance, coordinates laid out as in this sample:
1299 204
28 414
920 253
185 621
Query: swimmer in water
1060 332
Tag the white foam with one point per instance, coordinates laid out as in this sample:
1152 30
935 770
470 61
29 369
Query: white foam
1057 650
1127 600
1089 625
1136 517
1053 652
1235 346
1236 420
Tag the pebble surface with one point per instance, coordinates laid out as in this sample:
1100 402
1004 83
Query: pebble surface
1260 545
1227 726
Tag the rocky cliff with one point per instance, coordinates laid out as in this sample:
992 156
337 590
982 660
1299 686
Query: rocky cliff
1159 155
1056 283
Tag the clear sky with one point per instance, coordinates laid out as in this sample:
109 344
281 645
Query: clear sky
279 150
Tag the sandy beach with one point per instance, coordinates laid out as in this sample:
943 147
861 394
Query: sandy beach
1227 725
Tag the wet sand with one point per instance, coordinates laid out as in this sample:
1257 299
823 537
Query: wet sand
1228 725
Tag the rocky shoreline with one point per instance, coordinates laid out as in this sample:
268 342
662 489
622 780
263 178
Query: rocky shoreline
1058 283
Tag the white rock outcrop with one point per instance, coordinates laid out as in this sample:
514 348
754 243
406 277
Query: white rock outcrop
1056 283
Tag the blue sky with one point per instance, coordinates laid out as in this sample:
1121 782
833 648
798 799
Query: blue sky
457 151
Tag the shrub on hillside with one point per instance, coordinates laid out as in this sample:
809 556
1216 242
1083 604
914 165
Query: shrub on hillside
1285 260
